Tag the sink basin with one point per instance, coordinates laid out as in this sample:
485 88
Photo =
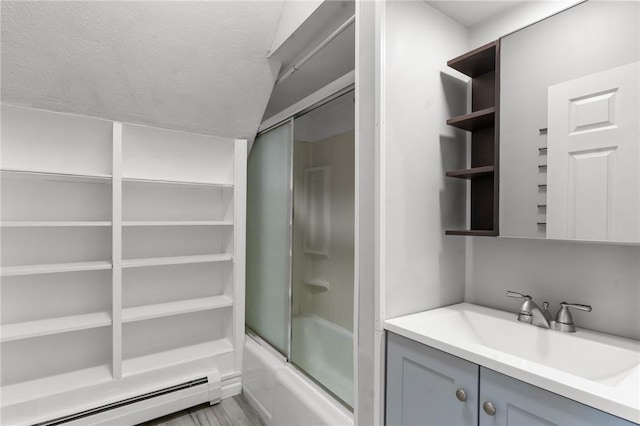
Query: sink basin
593 368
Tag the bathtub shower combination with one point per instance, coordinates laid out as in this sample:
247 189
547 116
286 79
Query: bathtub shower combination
300 268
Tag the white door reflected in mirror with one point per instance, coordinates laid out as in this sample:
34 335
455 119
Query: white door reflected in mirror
593 155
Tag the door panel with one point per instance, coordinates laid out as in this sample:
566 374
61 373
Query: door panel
269 194
520 404
593 154
422 384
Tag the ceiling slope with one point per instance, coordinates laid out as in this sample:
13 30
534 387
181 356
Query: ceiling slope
196 66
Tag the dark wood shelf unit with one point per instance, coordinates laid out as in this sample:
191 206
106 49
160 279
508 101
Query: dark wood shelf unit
474 121
482 65
473 173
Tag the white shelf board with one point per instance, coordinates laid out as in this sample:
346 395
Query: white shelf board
54 175
317 282
140 313
175 260
40 388
7 271
178 223
43 224
26 330
176 356
175 182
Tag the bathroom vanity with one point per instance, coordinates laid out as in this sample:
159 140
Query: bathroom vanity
469 365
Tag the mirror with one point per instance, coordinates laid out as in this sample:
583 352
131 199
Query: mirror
569 138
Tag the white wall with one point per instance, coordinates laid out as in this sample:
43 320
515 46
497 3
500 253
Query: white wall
605 276
421 267
293 14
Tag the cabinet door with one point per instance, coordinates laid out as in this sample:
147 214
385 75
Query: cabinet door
422 384
521 404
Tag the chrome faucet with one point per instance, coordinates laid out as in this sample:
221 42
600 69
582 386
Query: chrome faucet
531 313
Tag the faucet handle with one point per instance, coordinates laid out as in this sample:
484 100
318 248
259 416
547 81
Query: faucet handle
518 295
578 306
564 319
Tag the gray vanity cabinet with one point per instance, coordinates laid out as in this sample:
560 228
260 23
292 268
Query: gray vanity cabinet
425 386
517 403
428 387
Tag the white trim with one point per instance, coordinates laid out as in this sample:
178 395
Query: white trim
330 89
381 217
239 247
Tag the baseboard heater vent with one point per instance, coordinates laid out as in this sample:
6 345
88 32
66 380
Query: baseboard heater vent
124 402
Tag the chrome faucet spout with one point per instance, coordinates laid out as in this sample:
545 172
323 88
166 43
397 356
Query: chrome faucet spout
540 317
531 313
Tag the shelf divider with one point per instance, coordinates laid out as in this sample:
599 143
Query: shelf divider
175 260
45 327
132 223
45 224
146 312
116 252
175 182
473 232
174 357
477 61
56 175
8 271
475 120
472 173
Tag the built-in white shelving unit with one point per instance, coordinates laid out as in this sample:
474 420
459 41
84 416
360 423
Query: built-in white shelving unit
122 262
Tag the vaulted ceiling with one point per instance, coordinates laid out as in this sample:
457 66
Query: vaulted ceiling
197 66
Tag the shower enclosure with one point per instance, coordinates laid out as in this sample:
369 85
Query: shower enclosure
300 242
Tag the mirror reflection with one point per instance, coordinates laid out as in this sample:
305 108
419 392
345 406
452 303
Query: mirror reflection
569 126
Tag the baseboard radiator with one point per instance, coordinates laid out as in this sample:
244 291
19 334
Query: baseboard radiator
210 387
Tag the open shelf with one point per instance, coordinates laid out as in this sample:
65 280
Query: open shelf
119 250
8 271
472 232
52 385
25 330
141 313
176 182
482 65
472 173
476 62
474 121
176 260
53 175
44 224
317 282
178 223
173 357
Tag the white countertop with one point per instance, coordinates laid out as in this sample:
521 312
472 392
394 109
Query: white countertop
595 369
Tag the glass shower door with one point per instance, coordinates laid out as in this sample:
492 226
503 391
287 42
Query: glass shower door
269 218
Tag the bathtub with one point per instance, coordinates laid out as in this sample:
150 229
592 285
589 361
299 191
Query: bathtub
282 395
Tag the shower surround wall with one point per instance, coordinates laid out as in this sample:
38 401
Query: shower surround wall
334 304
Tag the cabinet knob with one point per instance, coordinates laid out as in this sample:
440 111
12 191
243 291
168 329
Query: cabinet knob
461 395
489 408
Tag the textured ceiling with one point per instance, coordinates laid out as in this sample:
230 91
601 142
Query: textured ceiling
198 66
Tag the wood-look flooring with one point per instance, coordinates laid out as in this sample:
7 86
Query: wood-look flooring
230 412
